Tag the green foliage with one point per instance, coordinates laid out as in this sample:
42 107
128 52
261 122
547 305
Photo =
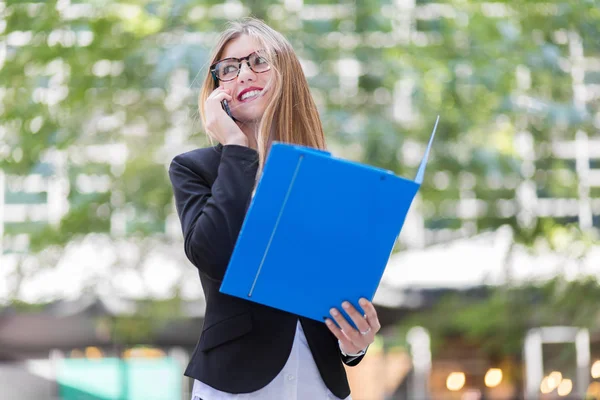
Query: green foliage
78 74
23 307
496 320
150 316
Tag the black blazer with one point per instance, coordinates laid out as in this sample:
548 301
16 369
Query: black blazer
243 345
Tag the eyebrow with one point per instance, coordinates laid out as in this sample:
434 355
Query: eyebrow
237 58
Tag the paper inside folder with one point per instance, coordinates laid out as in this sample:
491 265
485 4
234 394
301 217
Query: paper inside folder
421 171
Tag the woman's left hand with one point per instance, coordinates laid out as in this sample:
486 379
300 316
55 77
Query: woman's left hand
354 340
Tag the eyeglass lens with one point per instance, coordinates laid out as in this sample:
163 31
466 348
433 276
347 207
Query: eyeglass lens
228 69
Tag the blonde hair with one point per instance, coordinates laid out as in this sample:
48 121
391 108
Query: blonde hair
291 116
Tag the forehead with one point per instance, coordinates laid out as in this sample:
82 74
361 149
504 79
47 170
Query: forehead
240 47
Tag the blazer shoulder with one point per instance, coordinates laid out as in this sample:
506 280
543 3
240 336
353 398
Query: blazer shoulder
204 154
203 161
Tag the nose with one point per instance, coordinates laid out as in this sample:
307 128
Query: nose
246 74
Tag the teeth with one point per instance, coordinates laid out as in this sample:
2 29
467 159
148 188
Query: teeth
251 93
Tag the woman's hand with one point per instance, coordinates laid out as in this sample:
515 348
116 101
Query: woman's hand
218 123
352 340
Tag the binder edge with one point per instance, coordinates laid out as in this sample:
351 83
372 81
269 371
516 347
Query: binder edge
421 171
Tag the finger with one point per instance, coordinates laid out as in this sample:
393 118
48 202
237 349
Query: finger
220 97
218 91
360 322
348 330
344 340
337 332
371 314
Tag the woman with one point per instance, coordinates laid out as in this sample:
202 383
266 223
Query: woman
247 350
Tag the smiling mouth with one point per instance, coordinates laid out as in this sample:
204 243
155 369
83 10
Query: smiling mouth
250 95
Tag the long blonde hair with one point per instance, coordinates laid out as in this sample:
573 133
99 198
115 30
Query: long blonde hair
291 116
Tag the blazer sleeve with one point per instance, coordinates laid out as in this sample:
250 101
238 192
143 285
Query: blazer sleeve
352 361
211 216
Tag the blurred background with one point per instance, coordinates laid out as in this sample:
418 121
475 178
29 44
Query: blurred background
492 290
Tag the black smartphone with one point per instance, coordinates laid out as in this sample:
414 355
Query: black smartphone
226 108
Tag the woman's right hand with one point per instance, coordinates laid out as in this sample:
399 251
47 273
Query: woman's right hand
218 123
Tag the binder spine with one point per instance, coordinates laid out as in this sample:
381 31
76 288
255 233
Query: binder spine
287 195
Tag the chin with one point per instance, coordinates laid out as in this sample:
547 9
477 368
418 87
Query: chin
252 113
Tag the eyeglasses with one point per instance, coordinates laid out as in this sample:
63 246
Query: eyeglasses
229 68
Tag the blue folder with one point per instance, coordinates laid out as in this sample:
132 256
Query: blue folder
319 230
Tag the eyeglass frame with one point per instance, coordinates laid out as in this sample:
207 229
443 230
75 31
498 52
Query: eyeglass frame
239 60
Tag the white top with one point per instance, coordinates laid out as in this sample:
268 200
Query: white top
298 380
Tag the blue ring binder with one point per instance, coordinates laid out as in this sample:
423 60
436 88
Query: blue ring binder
319 231
287 195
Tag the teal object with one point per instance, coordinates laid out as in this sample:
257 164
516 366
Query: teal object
318 231
115 379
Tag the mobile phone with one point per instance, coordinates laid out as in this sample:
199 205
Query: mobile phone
226 108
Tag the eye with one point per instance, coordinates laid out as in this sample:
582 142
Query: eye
228 69
257 59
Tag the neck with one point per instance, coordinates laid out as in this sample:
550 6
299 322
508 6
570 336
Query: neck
250 129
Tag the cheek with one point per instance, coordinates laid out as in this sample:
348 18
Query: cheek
230 86
269 94
265 78
267 98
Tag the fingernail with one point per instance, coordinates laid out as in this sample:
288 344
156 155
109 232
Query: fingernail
328 322
363 302
346 304
333 311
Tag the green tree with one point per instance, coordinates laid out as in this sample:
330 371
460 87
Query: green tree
123 76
